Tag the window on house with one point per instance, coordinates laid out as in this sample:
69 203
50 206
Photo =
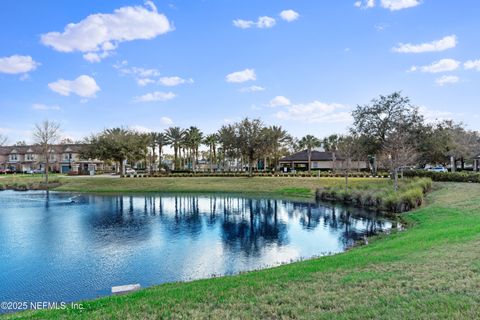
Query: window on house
13 157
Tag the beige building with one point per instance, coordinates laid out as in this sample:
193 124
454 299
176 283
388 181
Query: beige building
63 158
320 160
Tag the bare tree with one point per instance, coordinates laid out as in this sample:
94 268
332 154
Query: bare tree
3 140
398 152
348 147
46 134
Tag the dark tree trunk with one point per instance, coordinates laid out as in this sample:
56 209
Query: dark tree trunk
309 161
395 179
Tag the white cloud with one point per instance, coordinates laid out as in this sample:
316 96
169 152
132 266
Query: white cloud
140 129
144 81
173 81
266 22
443 65
279 101
394 5
83 86
95 57
263 22
41 106
241 76
17 64
447 42
315 112
142 75
166 121
99 34
252 89
365 4
446 80
289 15
136 72
140 72
155 96
145 76
472 64
243 24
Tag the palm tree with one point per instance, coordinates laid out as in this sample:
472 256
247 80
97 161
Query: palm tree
278 137
116 137
331 144
161 142
193 139
211 141
174 136
309 142
153 146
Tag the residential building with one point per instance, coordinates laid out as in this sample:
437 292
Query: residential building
64 158
320 160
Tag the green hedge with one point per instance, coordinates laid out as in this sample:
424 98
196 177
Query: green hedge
409 196
445 176
268 174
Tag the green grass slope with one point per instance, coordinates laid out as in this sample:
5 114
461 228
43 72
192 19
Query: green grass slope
430 271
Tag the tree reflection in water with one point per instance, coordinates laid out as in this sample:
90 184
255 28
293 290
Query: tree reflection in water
78 246
246 225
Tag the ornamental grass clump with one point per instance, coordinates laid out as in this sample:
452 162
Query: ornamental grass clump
410 195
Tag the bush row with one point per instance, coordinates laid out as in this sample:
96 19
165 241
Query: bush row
409 196
445 176
260 174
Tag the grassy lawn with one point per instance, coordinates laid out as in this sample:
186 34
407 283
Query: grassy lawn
430 271
288 186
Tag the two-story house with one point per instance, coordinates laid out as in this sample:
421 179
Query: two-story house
63 158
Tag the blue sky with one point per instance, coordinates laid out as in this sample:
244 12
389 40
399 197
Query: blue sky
301 64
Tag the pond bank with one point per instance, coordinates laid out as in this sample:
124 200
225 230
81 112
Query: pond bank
393 277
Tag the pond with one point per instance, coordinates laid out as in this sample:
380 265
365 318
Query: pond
70 247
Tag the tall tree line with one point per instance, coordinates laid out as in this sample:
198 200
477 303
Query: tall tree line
390 132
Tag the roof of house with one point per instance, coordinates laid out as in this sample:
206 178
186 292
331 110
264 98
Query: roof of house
316 156
59 148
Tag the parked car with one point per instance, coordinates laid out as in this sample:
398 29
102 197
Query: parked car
5 171
29 171
438 169
130 171
41 171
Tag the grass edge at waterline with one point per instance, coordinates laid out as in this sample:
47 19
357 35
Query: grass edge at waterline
431 270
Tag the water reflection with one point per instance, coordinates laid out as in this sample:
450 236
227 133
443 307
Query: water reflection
67 247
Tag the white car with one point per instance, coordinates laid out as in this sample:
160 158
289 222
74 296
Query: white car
130 171
438 169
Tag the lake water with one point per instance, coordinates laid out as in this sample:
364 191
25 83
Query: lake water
70 247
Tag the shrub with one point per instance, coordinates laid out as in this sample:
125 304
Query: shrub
409 196
445 176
